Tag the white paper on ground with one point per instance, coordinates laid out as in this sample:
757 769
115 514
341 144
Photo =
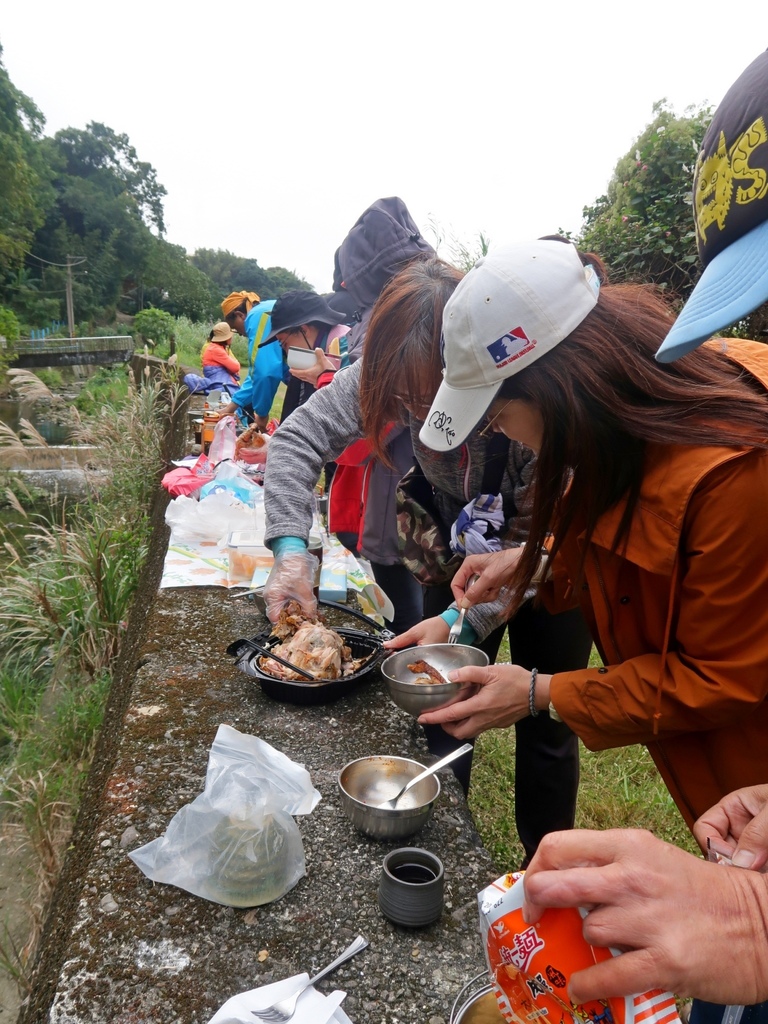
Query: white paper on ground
312 1008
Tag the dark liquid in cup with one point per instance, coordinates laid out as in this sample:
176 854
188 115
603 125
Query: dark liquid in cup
417 874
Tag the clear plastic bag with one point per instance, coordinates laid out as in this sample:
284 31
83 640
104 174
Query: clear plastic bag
236 844
229 478
292 782
224 440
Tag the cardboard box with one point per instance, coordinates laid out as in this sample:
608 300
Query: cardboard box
333 582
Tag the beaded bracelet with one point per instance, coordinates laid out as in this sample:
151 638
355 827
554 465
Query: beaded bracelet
533 710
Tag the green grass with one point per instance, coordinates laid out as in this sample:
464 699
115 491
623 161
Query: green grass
190 337
277 406
619 788
64 601
109 386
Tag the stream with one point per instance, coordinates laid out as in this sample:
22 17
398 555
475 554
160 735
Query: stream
12 412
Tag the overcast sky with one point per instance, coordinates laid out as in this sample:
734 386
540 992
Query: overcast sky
274 124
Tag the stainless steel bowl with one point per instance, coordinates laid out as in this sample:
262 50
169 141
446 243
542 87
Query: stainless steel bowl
415 698
371 780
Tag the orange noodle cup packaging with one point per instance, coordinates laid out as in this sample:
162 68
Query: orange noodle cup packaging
531 964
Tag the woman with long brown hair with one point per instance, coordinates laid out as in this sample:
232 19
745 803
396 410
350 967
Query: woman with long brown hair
650 491
394 384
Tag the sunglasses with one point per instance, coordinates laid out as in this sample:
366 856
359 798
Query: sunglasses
487 428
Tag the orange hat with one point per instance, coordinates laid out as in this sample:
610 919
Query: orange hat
235 299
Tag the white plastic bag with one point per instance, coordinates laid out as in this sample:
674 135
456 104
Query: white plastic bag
211 518
236 843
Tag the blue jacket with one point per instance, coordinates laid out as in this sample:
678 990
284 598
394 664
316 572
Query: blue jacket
266 367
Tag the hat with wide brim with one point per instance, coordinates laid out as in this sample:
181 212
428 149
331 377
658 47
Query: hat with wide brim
730 205
297 307
221 333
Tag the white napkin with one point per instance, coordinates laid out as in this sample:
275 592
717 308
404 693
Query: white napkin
312 1008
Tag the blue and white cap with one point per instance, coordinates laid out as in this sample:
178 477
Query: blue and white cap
512 308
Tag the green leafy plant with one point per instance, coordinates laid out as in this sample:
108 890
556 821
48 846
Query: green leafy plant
109 386
154 324
9 324
51 377
643 226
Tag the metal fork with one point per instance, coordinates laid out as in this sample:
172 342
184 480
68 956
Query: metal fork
284 1009
455 631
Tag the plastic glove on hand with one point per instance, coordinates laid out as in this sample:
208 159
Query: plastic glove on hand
292 578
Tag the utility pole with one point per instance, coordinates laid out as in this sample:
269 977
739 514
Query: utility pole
70 305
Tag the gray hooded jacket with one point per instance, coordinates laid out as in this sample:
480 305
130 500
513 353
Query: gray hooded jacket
324 426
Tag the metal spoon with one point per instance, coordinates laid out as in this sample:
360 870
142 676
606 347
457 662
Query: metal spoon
455 631
391 804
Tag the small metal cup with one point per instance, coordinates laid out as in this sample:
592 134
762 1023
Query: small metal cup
411 888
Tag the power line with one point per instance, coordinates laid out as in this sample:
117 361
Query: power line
80 259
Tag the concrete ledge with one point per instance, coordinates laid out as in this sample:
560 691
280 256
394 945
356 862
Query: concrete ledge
54 456
67 483
126 950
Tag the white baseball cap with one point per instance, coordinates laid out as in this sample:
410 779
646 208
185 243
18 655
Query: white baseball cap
513 307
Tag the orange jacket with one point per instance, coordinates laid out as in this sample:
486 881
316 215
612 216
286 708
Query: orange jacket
214 354
680 618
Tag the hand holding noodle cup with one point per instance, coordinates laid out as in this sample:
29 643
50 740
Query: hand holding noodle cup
531 964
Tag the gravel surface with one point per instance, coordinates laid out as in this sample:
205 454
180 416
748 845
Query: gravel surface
123 949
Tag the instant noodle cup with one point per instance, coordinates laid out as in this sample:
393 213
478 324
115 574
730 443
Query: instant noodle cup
531 964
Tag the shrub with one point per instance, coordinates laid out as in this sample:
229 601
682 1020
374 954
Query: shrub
9 324
51 377
643 226
154 324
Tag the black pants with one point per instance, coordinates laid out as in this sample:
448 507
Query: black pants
405 592
714 1013
546 751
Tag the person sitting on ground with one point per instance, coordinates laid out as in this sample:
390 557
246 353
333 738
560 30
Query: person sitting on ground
219 365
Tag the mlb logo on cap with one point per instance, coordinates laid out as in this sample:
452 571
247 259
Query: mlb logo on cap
512 346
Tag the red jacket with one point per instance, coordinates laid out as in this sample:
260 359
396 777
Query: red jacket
348 495
680 618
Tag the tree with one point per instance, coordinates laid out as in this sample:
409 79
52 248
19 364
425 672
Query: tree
106 203
643 226
100 155
280 280
173 283
24 189
232 273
